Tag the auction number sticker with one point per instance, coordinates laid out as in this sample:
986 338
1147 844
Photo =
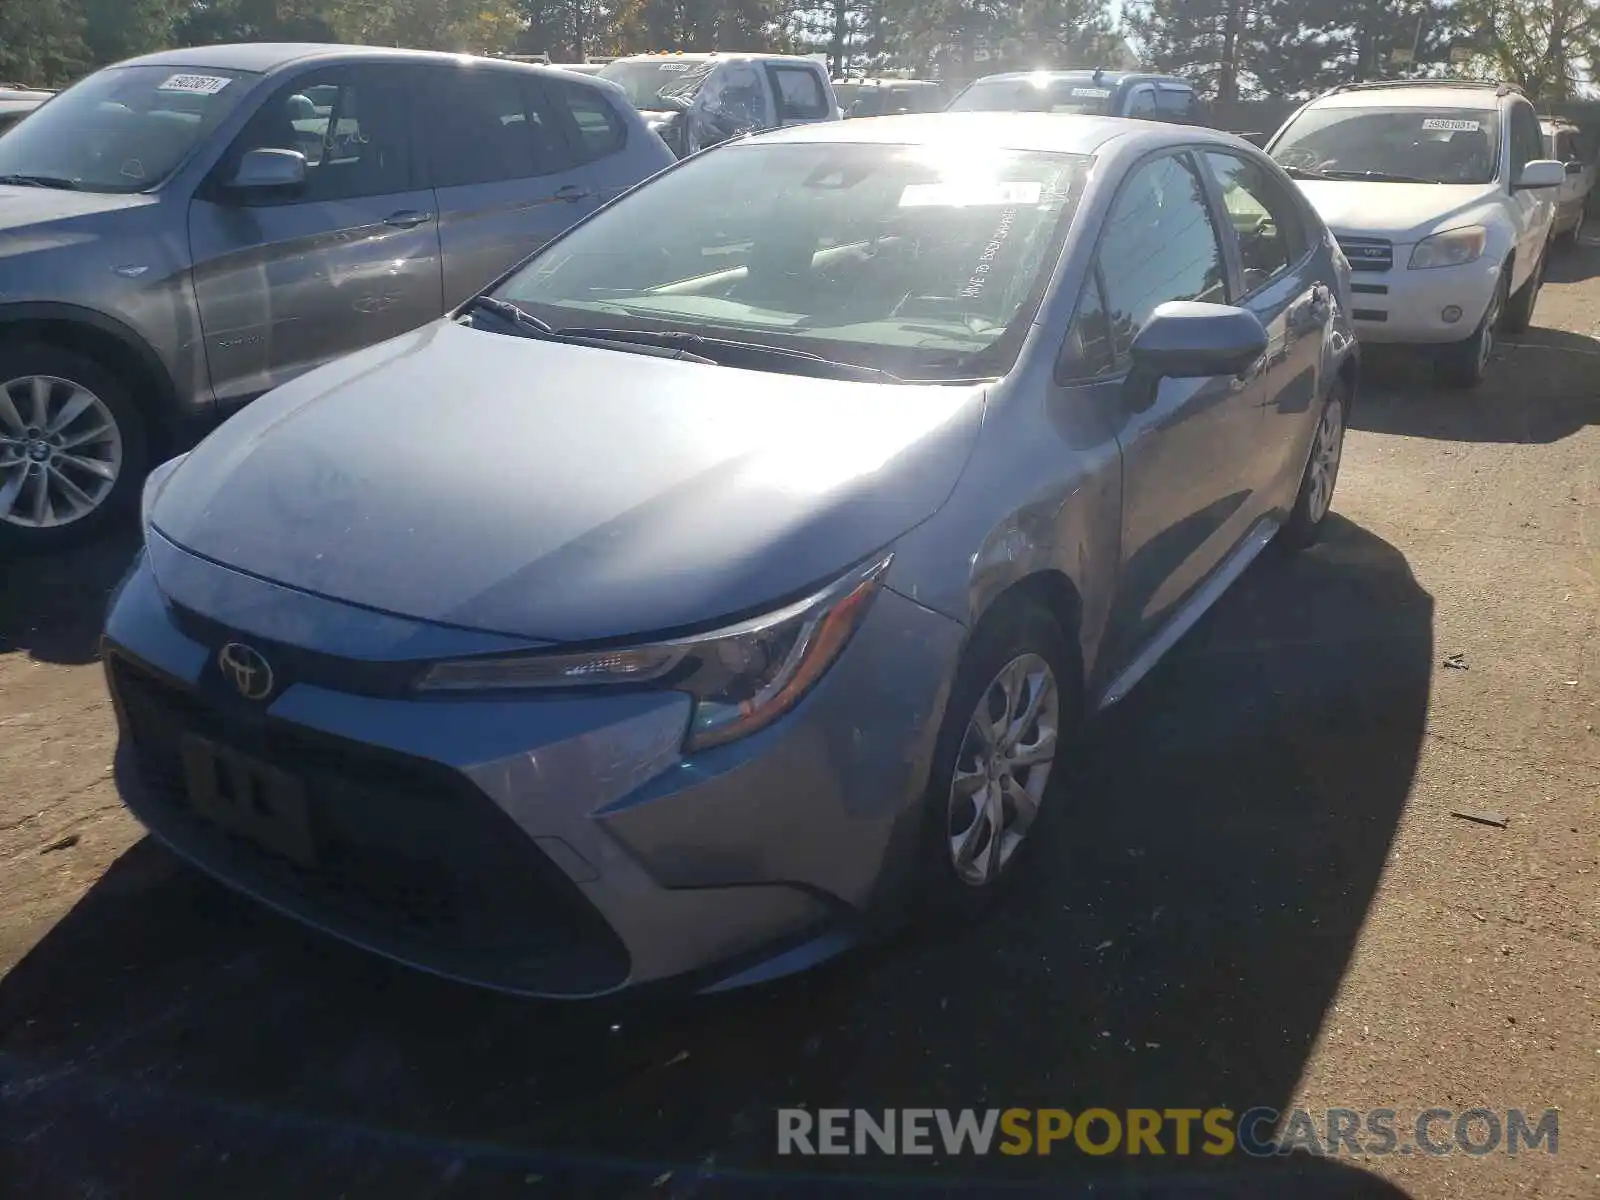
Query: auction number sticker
1451 124
961 195
1093 93
195 85
674 66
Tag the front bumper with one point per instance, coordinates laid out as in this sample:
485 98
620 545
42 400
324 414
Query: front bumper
1406 306
550 846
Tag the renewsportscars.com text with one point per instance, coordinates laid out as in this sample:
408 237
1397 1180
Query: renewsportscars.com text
1259 1132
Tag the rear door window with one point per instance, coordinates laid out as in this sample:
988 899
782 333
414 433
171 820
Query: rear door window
487 127
595 126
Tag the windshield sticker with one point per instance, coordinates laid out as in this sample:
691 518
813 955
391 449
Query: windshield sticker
1093 93
1451 124
963 195
195 85
980 273
674 66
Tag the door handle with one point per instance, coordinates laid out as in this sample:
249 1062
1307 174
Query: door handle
408 219
572 193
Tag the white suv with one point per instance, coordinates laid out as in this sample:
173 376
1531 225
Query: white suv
1441 197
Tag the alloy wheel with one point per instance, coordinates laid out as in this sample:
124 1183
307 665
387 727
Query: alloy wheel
1002 768
60 451
1326 451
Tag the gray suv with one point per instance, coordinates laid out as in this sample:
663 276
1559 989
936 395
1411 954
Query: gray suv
185 231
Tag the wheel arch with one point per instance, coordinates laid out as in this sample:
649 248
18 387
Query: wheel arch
113 344
1053 590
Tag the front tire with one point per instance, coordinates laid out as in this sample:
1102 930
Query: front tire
1464 364
1519 311
1315 498
72 447
1014 707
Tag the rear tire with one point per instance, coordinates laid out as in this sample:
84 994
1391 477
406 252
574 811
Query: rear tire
1010 779
73 447
1314 501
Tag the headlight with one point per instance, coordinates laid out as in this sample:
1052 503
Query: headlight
1452 248
742 678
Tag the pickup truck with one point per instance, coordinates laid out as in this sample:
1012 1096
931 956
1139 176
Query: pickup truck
697 100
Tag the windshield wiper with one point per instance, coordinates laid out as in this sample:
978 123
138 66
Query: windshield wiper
1376 176
508 311
1303 172
728 351
533 327
44 181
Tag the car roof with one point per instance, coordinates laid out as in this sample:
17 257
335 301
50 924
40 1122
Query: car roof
1057 133
1104 78
718 56
1430 96
263 57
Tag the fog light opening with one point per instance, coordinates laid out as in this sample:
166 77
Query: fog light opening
1451 314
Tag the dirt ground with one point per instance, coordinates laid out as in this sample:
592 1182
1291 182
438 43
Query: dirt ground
1263 899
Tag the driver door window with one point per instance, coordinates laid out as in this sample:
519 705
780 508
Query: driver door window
1159 244
351 127
800 95
1142 103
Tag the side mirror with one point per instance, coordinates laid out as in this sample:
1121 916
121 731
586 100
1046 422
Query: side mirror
1186 339
1541 173
1575 167
263 168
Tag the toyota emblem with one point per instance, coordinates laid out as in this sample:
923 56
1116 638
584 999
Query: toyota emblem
247 670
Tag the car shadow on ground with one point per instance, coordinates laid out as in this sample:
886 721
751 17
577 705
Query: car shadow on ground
1178 944
52 606
1574 262
1540 388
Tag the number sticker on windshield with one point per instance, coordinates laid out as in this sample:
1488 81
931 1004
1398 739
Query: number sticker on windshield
961 195
195 85
674 66
1093 93
1450 124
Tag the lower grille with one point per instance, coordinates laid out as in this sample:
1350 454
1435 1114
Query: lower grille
1369 314
412 860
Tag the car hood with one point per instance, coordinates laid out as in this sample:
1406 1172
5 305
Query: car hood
563 493
21 207
1401 212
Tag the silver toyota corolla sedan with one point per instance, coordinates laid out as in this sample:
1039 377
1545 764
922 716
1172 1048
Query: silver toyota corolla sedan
733 572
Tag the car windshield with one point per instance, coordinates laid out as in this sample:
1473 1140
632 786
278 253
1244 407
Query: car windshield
1040 93
1427 145
925 261
124 129
650 83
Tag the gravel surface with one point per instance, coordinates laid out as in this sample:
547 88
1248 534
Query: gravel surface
1279 908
